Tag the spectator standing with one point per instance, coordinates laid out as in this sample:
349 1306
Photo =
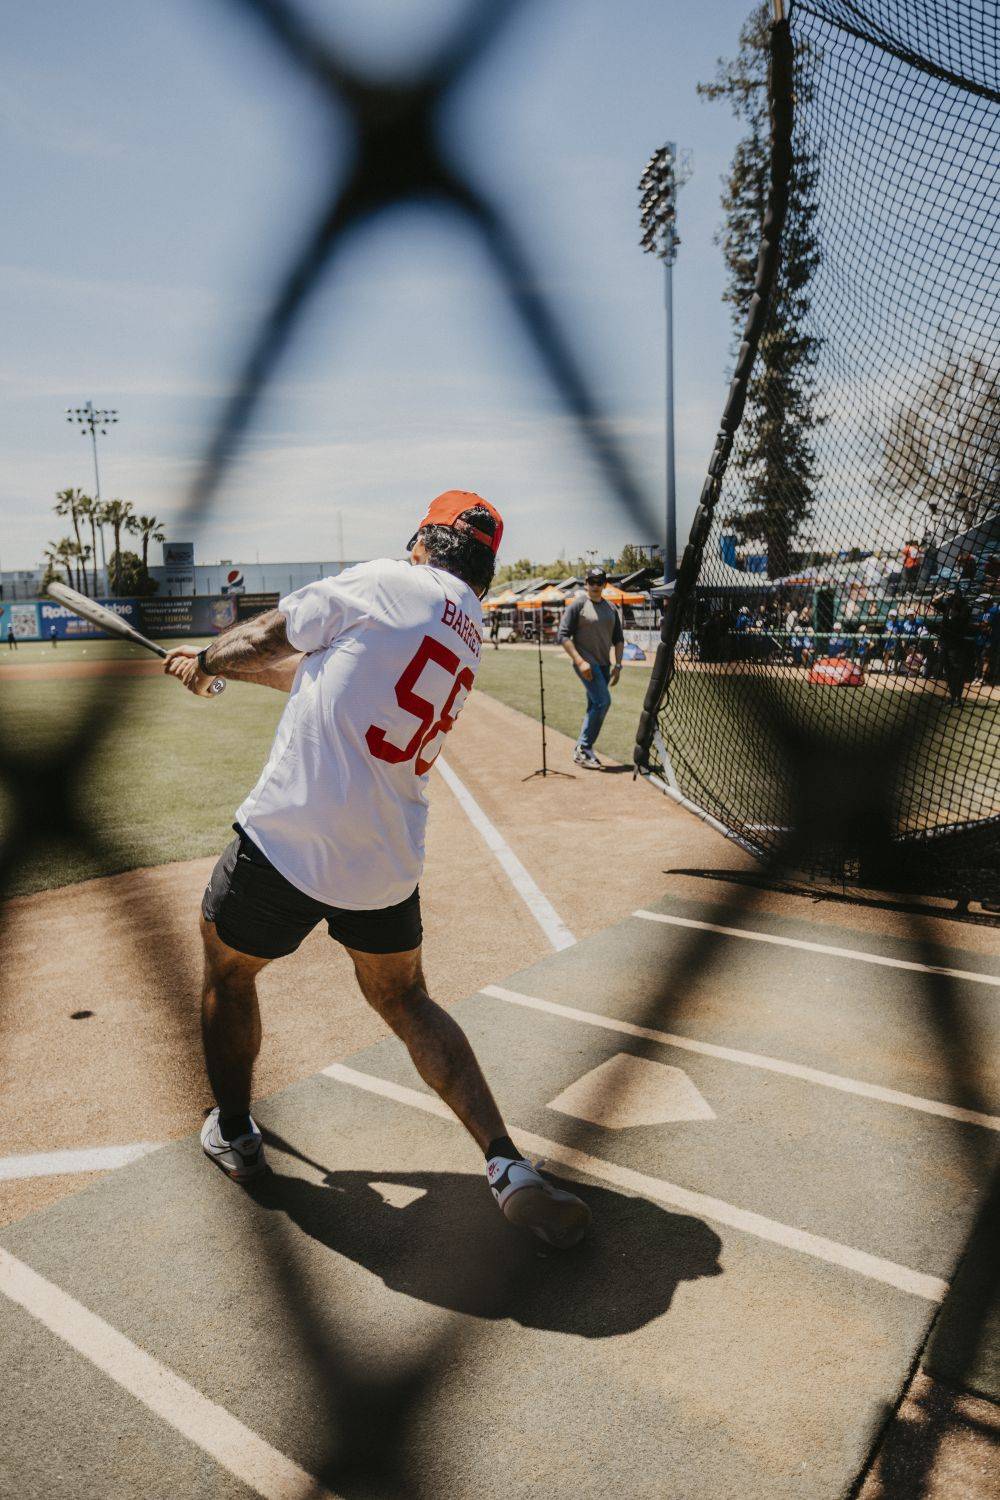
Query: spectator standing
953 635
907 628
891 642
991 663
807 639
912 558
927 651
981 622
588 630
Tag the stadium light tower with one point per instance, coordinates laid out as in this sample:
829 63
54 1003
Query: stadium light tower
94 420
662 175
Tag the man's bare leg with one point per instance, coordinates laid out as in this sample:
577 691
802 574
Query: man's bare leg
393 984
230 1021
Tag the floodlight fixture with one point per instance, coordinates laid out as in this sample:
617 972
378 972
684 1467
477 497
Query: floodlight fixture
93 420
664 173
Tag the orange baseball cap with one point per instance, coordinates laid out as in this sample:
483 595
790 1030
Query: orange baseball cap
448 510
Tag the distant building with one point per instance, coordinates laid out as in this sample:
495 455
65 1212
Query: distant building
197 578
258 578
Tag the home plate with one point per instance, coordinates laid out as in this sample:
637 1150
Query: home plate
629 1090
397 1194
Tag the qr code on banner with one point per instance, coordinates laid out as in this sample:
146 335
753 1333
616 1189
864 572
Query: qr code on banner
23 619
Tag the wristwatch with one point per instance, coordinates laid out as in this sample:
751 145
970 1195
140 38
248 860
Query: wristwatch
201 662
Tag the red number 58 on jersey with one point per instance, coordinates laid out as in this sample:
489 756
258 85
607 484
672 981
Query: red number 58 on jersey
432 723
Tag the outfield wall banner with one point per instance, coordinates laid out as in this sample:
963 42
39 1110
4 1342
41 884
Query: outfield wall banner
70 627
192 616
24 619
248 605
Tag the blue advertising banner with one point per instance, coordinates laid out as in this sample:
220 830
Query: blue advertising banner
197 616
58 621
22 618
45 620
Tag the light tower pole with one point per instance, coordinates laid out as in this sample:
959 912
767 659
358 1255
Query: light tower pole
662 175
94 420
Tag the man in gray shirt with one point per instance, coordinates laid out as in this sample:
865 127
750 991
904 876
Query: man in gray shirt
589 628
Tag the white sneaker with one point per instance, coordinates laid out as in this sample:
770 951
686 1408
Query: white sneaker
528 1200
584 757
242 1159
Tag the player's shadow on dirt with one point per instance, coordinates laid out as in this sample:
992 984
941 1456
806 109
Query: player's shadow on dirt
438 1236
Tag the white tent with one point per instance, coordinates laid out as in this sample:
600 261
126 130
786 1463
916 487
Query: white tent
717 574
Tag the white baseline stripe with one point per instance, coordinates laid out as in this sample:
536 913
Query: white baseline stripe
970 975
539 905
749 1059
931 1288
60 1163
210 1427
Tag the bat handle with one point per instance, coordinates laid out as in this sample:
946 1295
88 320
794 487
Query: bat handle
218 686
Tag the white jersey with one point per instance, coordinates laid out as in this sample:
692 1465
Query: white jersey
341 806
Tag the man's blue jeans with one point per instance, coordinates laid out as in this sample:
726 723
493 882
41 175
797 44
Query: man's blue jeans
598 703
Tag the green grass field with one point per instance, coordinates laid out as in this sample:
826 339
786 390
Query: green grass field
512 676
171 769
944 763
167 775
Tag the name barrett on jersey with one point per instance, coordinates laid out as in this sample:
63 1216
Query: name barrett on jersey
463 626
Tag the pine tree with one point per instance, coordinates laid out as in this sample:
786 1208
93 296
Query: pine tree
774 454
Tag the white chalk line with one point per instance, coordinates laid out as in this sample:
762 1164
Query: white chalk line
750 1059
971 976
874 1267
204 1423
67 1163
538 904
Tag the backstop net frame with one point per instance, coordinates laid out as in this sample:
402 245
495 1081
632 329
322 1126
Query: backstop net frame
805 709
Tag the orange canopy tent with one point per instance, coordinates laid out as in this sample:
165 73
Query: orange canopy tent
507 597
615 595
549 596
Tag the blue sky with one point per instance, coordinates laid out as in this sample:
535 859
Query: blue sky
162 162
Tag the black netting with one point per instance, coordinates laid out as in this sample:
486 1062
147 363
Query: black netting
901 291
845 612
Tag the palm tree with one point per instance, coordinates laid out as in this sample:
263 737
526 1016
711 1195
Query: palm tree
148 527
60 555
82 552
118 514
68 504
89 510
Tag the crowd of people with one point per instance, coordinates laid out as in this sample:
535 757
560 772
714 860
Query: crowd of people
927 638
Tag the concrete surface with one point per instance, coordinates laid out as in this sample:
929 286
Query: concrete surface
672 1356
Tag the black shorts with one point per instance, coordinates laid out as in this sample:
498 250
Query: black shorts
258 912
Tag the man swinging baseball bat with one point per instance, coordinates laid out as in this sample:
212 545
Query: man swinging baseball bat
377 663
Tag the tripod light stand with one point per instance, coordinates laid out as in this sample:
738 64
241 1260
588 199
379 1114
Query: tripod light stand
544 769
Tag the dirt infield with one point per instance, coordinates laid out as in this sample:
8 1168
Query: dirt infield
124 949
56 671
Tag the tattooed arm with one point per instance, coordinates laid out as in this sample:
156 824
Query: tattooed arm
256 650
